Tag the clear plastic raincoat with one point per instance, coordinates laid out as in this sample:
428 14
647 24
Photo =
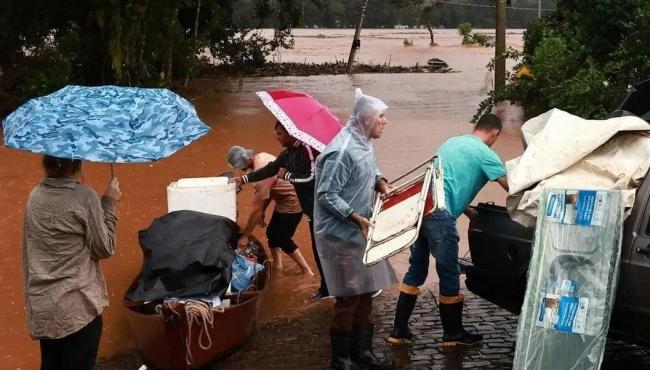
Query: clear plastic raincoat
346 174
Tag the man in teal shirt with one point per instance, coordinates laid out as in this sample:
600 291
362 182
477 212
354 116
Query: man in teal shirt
468 164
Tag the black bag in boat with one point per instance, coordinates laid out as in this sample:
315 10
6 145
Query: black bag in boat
186 254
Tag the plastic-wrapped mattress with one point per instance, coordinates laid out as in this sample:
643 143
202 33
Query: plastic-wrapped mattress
571 281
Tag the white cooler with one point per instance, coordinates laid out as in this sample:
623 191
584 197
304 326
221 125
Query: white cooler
213 195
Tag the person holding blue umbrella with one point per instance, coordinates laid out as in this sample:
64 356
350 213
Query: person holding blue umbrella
67 231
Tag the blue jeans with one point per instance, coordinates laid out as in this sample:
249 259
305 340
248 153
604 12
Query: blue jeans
438 237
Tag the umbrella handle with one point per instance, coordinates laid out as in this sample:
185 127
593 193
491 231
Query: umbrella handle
112 172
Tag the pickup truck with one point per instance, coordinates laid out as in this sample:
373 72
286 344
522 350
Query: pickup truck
501 250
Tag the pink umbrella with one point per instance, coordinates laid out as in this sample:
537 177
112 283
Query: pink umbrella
303 116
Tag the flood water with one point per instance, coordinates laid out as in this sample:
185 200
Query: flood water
425 109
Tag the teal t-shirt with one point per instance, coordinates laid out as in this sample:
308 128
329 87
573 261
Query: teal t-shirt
467 164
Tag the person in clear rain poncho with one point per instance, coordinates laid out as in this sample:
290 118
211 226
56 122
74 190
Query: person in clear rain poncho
346 180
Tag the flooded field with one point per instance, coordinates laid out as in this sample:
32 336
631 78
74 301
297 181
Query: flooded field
425 109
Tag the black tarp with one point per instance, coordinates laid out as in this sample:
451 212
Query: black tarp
186 254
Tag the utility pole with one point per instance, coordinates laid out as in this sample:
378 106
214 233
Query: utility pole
500 61
539 8
356 42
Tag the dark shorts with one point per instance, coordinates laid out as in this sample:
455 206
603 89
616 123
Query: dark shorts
281 229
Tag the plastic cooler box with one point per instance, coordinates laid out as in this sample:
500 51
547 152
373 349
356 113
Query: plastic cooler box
213 195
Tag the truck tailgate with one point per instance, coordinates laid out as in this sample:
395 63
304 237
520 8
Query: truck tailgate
501 251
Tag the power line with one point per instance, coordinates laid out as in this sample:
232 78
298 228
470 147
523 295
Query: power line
493 6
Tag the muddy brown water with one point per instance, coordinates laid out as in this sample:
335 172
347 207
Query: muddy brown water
424 110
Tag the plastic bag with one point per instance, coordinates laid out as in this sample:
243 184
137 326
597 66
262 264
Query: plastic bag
243 271
572 280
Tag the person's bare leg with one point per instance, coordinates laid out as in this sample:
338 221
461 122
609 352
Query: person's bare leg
277 258
300 260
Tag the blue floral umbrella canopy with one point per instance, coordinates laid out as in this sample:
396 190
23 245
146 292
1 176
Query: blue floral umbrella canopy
105 124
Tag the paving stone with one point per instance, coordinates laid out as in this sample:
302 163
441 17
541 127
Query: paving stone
493 340
474 365
494 318
496 350
501 344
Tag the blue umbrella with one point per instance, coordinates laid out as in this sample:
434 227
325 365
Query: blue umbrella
105 124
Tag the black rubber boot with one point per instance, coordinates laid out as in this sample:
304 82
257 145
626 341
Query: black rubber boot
341 342
403 310
362 353
451 315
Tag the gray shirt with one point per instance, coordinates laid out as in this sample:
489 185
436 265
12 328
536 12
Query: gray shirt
67 230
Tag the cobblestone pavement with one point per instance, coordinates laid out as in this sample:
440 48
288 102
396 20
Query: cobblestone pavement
302 342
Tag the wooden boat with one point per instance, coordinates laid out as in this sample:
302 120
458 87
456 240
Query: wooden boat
162 335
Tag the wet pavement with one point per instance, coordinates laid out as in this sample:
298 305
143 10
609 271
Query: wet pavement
301 341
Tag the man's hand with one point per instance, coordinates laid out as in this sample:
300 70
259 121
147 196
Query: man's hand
281 172
242 242
363 223
383 188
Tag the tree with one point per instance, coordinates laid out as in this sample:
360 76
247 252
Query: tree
423 10
45 45
581 59
465 30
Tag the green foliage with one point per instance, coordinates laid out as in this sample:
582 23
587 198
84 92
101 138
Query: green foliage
483 39
465 30
46 45
469 38
48 71
537 31
582 58
422 11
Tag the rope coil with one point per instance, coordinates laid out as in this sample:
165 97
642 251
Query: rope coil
200 313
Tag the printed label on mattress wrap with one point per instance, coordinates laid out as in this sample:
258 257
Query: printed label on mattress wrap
579 207
563 312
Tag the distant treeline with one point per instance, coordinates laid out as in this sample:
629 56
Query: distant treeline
389 13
